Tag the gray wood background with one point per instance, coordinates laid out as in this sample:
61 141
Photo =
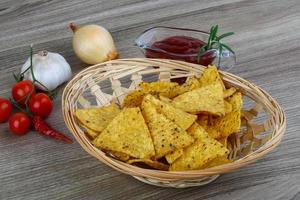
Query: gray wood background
267 43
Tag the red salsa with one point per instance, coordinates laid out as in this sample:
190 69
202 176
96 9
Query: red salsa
180 48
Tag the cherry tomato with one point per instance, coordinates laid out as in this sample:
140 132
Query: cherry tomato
40 104
19 124
21 90
5 110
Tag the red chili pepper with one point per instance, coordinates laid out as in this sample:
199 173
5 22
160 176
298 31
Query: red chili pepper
44 129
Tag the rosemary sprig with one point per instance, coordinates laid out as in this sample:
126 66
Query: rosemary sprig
214 42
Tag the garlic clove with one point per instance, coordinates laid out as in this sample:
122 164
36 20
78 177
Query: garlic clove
51 69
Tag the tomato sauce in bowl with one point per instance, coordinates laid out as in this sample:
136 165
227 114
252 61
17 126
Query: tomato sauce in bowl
180 48
181 44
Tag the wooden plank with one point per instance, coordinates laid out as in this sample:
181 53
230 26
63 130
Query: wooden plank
267 45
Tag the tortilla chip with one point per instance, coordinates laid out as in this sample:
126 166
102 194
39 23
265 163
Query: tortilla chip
165 99
205 122
96 119
152 163
230 123
227 106
236 101
207 99
210 76
133 99
213 132
223 141
167 89
191 84
167 136
229 92
217 161
92 134
179 117
127 133
171 157
119 155
202 151
202 120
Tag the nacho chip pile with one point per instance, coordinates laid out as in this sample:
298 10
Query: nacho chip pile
94 120
167 126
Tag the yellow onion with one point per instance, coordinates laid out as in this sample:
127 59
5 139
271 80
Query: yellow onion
93 44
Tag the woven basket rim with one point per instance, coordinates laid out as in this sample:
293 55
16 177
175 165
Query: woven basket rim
173 175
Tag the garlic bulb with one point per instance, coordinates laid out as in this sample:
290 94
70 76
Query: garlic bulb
93 44
51 69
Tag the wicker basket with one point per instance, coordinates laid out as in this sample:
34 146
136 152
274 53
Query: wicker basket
263 121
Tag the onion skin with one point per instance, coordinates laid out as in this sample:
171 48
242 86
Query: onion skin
93 44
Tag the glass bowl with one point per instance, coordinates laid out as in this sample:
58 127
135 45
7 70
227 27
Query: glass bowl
146 40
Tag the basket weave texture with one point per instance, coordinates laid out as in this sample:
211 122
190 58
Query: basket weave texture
263 120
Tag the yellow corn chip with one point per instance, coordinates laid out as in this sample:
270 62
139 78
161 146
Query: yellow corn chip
119 155
152 163
165 99
167 136
202 151
167 89
133 99
236 101
92 134
230 123
97 119
171 157
229 92
227 106
207 99
223 141
127 133
191 84
213 132
202 120
179 117
210 76
217 161
205 122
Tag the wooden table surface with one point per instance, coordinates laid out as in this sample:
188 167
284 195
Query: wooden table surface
267 39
